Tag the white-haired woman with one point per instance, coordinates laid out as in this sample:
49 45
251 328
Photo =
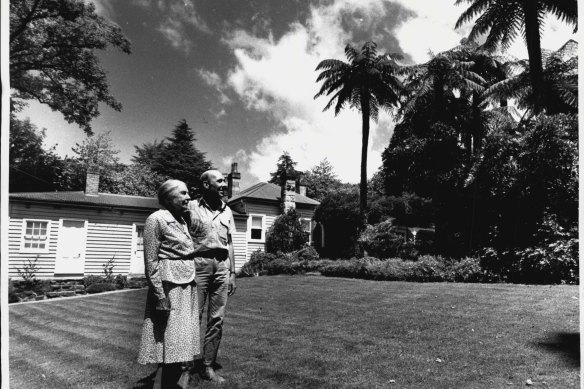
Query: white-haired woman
170 333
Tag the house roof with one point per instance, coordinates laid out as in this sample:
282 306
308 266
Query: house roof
80 198
267 191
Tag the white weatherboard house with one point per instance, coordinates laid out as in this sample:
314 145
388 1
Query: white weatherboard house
73 234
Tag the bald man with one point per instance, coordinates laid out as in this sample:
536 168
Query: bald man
211 227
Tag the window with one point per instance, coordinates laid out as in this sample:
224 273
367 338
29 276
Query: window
306 225
35 236
256 227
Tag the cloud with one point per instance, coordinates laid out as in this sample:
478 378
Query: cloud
177 17
214 80
431 28
278 77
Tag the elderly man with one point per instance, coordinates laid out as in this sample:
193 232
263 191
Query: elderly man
211 227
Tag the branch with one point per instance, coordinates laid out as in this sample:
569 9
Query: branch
27 20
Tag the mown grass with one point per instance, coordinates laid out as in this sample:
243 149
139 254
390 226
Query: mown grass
317 332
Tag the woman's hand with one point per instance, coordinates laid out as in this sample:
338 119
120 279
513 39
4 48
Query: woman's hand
163 306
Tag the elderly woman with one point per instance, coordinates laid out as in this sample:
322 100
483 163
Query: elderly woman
170 334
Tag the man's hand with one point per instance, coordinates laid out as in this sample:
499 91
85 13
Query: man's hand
231 286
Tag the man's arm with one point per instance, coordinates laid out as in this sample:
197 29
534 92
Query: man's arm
231 286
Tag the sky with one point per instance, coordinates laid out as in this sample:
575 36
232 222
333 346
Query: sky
242 74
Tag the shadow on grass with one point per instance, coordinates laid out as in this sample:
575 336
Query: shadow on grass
146 382
564 344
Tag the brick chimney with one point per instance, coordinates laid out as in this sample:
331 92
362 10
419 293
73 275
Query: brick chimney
233 181
92 183
288 196
300 187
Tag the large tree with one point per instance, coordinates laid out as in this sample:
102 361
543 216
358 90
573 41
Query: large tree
285 170
180 159
53 57
320 180
560 82
502 20
95 154
368 82
32 168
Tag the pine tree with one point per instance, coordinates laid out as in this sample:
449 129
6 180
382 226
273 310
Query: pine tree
180 159
285 170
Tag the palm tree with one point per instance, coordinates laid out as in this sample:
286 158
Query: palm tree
367 82
559 82
504 19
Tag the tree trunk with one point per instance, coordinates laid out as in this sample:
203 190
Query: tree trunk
365 113
532 40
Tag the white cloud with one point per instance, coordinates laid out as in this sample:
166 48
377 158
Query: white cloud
214 80
432 29
177 16
279 78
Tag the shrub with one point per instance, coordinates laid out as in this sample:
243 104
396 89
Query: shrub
121 281
108 269
286 234
428 269
381 240
12 296
100 287
283 266
41 287
29 270
257 263
307 253
92 279
547 263
469 270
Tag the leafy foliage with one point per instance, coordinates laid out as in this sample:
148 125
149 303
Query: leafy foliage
95 154
503 20
339 214
178 157
320 180
559 82
53 59
257 263
382 240
286 234
285 170
32 168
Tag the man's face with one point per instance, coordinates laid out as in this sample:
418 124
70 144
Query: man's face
178 199
216 185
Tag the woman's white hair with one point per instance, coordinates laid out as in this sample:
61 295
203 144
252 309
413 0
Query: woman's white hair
166 189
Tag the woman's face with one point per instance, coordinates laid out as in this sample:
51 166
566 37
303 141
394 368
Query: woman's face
178 199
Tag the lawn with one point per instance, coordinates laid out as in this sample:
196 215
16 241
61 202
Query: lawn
318 332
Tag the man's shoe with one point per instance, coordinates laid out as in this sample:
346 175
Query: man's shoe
210 375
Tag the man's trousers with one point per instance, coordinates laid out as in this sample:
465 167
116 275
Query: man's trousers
212 287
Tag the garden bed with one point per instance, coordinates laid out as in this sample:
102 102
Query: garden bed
36 290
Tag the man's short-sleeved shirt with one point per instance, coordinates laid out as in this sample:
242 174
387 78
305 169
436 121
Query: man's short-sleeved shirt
208 228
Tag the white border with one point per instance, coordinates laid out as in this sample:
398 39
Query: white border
5 76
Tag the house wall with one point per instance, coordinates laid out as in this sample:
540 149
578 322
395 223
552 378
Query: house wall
240 241
244 246
109 234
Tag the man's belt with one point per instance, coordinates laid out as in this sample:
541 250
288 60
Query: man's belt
218 254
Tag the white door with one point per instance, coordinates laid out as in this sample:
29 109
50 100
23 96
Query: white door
71 247
137 263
